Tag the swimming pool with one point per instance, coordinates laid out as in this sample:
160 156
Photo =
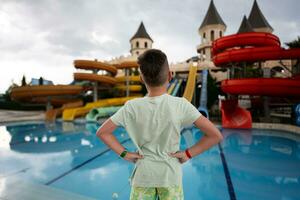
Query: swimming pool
68 158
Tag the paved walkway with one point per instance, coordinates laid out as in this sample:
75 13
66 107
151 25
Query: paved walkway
19 189
7 116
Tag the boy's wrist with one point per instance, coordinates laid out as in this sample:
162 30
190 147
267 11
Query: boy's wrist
123 153
188 154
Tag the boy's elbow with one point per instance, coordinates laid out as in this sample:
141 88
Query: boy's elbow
220 137
99 134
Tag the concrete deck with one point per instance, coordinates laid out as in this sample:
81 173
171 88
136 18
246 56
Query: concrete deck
274 126
18 189
7 116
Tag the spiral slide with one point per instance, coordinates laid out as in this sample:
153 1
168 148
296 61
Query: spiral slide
109 79
123 80
251 47
127 83
27 93
95 66
79 76
121 83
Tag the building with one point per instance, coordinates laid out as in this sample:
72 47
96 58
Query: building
139 43
213 27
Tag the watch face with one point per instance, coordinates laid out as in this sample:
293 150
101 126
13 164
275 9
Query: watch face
123 154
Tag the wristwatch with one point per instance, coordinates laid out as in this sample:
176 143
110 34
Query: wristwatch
123 154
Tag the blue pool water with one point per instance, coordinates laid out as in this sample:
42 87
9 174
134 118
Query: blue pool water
254 164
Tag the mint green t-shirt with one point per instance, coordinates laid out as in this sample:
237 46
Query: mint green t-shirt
154 125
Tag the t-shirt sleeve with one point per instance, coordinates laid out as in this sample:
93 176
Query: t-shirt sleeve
189 113
119 118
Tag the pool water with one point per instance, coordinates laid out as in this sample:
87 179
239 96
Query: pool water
248 164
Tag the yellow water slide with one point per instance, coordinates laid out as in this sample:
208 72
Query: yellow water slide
190 85
95 66
133 88
72 113
51 114
123 81
32 91
171 88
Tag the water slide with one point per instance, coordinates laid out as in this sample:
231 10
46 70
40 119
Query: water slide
121 83
37 91
125 83
57 95
97 113
190 85
234 116
251 47
172 86
51 114
176 88
95 66
203 98
29 92
71 114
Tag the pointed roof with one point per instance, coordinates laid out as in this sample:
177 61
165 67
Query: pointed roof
141 33
257 19
212 16
245 26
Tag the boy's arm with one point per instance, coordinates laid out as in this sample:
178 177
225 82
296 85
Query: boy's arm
212 136
105 134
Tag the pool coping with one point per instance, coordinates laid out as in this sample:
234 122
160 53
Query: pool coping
281 127
267 126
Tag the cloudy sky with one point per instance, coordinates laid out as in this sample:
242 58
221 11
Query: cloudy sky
43 37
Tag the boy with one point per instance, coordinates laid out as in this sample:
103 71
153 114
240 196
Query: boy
154 124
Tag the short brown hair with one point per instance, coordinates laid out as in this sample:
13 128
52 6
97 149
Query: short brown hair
154 67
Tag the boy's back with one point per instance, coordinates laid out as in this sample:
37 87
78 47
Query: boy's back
154 125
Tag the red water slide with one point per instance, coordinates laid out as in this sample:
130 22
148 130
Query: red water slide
251 47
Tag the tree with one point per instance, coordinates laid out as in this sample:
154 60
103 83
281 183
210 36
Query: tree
24 81
295 44
41 81
212 91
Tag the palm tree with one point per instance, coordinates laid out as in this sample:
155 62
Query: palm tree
296 64
294 44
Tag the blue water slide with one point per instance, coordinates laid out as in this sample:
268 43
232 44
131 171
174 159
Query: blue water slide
203 98
170 83
297 112
176 89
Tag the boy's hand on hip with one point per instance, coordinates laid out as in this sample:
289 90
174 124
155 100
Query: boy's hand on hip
133 157
181 155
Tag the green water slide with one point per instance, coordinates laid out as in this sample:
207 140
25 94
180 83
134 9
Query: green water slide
97 113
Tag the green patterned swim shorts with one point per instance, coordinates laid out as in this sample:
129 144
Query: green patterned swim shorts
155 193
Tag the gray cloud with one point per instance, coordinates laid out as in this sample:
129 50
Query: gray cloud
44 30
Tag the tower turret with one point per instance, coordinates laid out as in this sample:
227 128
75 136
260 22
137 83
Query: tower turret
245 26
258 21
211 28
141 41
